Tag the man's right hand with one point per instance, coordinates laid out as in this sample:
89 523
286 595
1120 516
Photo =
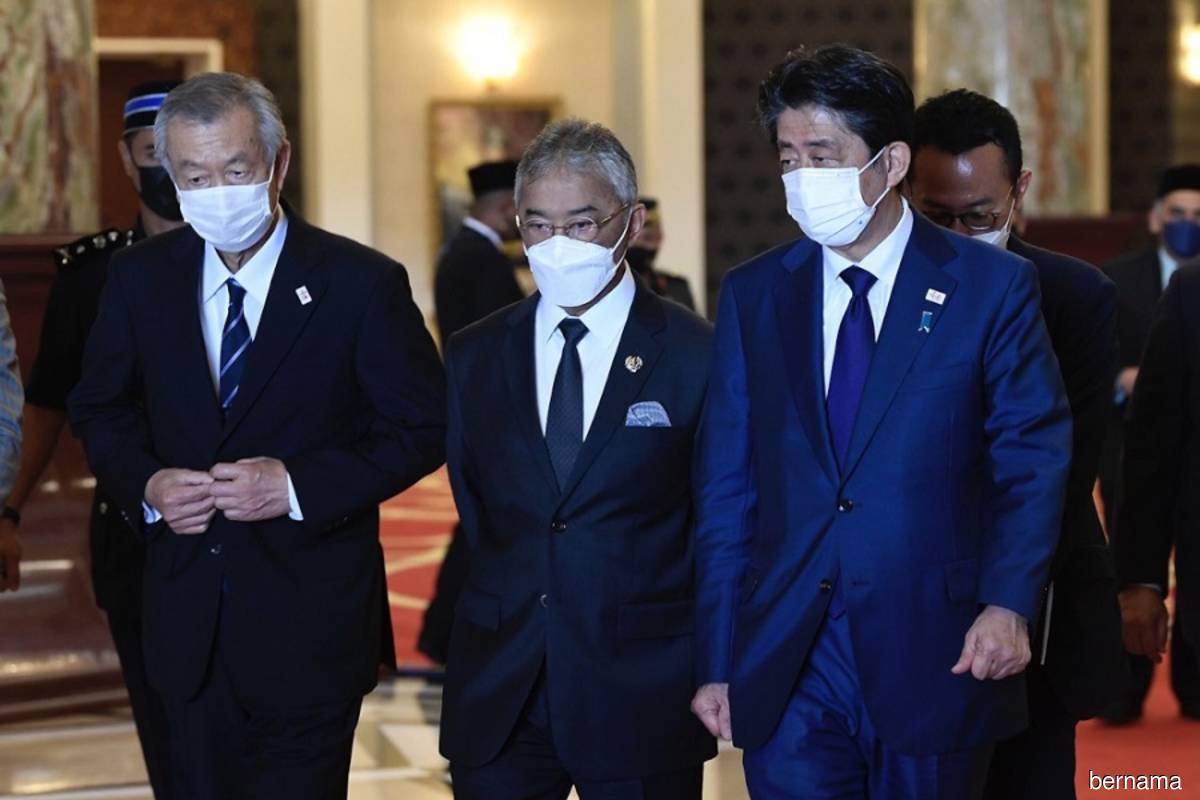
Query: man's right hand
184 498
711 706
1144 621
10 557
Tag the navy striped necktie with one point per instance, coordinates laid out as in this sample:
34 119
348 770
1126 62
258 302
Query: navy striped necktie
851 360
235 345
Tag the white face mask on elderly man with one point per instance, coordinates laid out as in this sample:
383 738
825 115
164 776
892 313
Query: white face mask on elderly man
828 204
230 218
570 273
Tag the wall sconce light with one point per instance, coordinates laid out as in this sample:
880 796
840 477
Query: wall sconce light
1189 57
489 49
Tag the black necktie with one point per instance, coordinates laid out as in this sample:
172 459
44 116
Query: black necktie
564 420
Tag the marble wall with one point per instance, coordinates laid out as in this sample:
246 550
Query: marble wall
48 118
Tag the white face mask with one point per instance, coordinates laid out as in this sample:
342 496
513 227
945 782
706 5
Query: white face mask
570 273
230 218
998 238
828 204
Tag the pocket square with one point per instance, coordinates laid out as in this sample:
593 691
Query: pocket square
649 414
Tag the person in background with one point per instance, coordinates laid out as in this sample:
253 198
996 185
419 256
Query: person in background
644 250
572 421
117 553
253 388
968 176
881 469
11 396
474 278
1141 276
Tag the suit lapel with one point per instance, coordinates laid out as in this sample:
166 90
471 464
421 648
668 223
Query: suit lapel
284 317
903 333
799 300
194 382
640 338
519 371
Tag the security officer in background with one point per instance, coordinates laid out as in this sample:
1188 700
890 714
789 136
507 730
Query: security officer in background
117 553
474 278
1141 277
641 257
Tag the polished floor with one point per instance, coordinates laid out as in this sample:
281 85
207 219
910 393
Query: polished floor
96 757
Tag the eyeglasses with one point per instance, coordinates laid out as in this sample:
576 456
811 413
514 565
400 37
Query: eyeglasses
977 221
583 229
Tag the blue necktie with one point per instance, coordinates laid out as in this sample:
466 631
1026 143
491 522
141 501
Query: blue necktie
564 420
851 360
235 345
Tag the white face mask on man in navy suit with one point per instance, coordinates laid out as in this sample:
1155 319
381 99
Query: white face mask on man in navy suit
231 218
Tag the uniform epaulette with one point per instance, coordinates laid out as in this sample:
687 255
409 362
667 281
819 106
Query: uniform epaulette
81 250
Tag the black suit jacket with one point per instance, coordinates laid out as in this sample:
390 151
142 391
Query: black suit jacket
473 279
1161 476
596 582
346 390
1084 658
1138 276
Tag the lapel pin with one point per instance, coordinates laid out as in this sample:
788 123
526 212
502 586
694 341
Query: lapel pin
633 363
934 296
926 322
305 297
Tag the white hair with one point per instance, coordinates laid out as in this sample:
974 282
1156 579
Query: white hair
580 146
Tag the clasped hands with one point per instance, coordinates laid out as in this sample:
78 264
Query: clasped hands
995 647
250 490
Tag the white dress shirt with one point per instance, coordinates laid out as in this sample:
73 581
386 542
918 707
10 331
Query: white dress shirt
483 230
1166 265
605 322
255 277
883 262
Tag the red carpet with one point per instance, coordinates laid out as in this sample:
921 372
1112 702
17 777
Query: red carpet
416 530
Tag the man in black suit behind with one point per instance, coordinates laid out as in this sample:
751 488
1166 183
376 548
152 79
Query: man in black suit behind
967 175
252 389
1141 277
571 426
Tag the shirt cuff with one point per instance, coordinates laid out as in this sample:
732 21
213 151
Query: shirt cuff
294 512
150 514
1153 586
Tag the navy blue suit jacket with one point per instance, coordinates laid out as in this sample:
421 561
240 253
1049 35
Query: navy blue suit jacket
950 500
595 582
347 390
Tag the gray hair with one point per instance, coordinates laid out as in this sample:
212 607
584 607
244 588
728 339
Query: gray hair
579 146
209 96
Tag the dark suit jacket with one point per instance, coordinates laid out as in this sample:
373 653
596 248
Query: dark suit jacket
346 390
595 582
1085 658
1161 477
473 279
951 497
1138 276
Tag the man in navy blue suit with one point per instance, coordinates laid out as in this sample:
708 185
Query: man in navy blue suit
252 389
881 469
968 176
572 420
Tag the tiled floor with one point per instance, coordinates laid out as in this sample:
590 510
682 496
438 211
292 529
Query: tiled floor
96 757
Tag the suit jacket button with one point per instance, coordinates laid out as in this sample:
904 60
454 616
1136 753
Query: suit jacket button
826 586
544 600
103 508
558 526
215 549
845 504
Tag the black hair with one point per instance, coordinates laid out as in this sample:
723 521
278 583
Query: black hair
870 96
962 120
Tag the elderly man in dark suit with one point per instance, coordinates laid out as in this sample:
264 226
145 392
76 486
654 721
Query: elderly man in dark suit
968 176
572 417
252 389
1141 277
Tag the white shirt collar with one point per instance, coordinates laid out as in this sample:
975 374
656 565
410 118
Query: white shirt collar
255 275
884 261
1167 264
483 230
605 321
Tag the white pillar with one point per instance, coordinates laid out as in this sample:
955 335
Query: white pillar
336 115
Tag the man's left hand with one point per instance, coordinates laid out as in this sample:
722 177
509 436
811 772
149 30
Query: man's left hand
252 490
996 646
